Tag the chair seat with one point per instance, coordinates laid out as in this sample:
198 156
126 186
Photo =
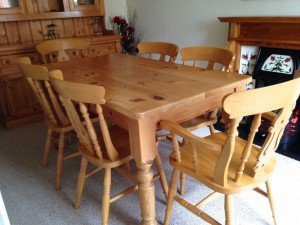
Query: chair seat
208 158
198 122
120 140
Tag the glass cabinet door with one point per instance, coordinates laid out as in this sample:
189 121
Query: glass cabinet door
86 5
84 2
12 7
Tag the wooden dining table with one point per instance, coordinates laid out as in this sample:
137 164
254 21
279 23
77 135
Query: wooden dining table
141 92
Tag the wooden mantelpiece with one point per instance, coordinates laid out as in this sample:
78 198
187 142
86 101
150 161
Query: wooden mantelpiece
274 32
261 19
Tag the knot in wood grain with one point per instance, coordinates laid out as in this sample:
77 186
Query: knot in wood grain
157 97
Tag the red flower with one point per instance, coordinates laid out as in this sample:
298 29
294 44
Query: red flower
122 21
272 58
124 38
287 60
245 57
131 30
117 19
253 57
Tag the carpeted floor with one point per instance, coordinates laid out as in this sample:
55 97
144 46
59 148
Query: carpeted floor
28 190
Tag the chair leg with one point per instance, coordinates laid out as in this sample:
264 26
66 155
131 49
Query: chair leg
47 146
69 138
162 175
60 159
271 201
171 194
228 210
182 183
212 129
81 181
128 167
106 196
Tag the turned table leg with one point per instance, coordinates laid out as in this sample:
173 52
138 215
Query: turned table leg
143 149
146 193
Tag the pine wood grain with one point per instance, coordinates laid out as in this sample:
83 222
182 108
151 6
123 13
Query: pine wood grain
3 39
108 149
69 27
79 27
141 92
24 30
226 163
138 87
36 30
12 32
59 27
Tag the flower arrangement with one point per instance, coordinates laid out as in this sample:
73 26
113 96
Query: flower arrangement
126 30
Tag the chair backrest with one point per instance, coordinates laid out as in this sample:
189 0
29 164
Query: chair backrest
167 51
54 50
38 79
280 97
212 55
73 94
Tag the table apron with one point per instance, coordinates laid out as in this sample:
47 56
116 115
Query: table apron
142 131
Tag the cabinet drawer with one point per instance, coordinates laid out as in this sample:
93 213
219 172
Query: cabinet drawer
20 98
10 70
9 60
102 49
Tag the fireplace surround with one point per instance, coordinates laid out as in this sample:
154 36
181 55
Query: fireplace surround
279 42
274 66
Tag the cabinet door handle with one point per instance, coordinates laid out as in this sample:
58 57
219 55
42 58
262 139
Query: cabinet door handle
7 61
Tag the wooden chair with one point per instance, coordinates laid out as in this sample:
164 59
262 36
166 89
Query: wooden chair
54 114
226 163
212 56
167 51
55 50
106 150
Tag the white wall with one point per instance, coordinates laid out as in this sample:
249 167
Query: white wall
194 22
114 8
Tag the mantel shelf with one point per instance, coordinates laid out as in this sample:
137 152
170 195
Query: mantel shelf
267 31
261 19
48 15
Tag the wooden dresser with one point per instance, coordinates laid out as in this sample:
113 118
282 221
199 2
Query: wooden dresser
21 28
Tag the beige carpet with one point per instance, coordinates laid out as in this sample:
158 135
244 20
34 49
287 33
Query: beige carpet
28 190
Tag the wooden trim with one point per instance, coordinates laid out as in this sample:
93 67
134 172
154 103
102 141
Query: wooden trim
66 4
30 46
265 19
15 10
253 40
84 7
49 15
272 32
102 7
23 121
92 7
29 6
